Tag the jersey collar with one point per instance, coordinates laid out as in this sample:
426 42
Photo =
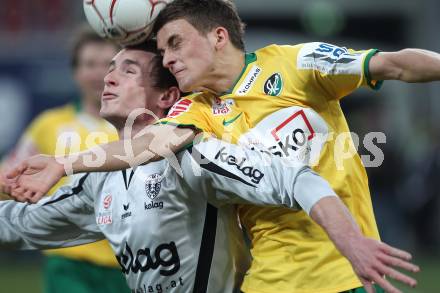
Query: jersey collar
248 59
77 105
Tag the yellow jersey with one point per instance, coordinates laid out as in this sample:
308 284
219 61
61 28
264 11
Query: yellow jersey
60 131
292 254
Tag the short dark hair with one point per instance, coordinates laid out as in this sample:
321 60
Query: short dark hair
83 36
160 76
205 15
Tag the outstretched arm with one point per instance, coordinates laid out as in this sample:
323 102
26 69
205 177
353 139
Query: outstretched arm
371 259
65 219
228 173
409 65
38 174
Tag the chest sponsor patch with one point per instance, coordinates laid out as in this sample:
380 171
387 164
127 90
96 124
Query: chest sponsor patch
294 133
179 108
248 81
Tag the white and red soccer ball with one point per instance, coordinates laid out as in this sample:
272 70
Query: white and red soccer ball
127 22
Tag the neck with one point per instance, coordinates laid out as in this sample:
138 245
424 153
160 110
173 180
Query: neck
130 132
226 71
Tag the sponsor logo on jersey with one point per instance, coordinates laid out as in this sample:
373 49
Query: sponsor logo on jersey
329 59
164 258
107 202
153 184
249 171
296 133
153 205
127 212
288 138
249 81
227 122
104 216
220 107
273 85
180 107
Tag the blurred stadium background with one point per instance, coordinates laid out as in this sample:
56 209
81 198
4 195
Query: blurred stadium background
35 75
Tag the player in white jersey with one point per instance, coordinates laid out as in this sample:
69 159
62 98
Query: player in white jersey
169 233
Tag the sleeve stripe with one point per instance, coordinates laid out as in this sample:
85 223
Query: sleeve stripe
377 84
213 167
77 189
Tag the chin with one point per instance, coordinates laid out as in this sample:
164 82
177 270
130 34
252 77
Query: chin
185 87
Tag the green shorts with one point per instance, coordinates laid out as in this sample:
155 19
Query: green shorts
71 276
362 290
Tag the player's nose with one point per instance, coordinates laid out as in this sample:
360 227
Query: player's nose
168 60
109 79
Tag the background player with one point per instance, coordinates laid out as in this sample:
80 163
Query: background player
77 269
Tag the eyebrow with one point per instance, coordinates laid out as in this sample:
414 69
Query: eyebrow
169 42
173 39
131 62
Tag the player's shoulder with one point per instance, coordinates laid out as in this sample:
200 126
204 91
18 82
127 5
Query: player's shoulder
199 97
57 113
289 49
54 116
277 50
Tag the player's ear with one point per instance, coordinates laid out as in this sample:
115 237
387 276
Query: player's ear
169 97
221 36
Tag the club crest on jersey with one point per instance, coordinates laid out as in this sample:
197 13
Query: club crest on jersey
220 107
273 85
179 108
153 185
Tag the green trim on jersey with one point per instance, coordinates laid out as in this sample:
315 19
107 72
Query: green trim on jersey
181 125
178 125
379 83
248 59
77 104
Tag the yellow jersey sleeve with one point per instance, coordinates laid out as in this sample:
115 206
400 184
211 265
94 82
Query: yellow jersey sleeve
188 112
331 71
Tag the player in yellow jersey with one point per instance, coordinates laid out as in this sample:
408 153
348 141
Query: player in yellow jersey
89 268
289 94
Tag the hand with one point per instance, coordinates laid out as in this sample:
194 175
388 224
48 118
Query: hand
373 260
5 190
34 177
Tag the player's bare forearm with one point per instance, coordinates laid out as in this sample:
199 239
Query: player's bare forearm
371 259
331 214
408 65
153 143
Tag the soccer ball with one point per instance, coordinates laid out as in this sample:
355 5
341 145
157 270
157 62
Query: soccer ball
127 22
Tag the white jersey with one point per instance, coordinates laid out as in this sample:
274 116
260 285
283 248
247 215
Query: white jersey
169 233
